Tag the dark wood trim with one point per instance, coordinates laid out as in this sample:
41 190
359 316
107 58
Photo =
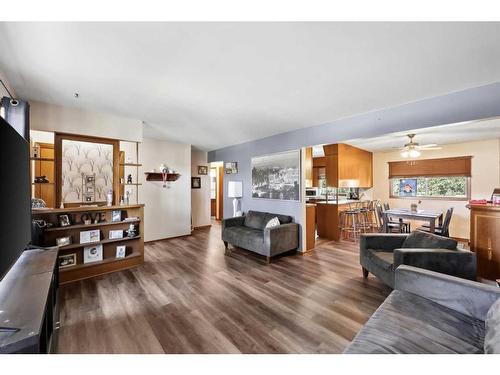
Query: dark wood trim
203 226
168 238
59 137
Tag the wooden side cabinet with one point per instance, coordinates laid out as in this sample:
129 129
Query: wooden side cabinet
485 239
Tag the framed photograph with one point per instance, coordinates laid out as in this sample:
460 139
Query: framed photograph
64 220
231 167
63 241
66 260
113 234
195 182
202 170
89 236
92 253
408 187
116 216
276 176
121 251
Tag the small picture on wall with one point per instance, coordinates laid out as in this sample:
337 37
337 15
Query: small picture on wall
92 253
67 260
64 220
202 170
231 167
195 182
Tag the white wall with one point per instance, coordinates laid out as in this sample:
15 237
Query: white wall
6 82
200 198
168 211
51 117
485 177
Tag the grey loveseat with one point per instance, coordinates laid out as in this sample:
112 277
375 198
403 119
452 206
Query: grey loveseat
249 232
382 253
430 312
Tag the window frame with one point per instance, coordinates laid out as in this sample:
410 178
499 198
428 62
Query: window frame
466 198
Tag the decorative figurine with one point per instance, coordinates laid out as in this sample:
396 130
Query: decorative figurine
109 198
129 179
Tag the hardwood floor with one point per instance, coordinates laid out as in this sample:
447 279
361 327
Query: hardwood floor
189 297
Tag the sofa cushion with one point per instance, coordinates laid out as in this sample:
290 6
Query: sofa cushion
383 259
284 219
492 322
424 240
407 323
274 222
246 238
255 220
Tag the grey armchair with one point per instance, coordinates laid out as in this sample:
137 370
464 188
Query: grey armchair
249 232
382 253
430 312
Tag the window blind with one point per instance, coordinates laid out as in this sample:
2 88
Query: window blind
456 166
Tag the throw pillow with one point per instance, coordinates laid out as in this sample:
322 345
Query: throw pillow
274 222
424 240
492 323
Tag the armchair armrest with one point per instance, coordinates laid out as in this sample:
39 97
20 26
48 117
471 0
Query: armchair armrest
282 238
451 262
381 241
468 297
232 222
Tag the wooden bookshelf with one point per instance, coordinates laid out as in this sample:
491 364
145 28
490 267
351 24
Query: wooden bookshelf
134 245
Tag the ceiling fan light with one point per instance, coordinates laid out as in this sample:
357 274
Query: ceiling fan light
414 153
404 153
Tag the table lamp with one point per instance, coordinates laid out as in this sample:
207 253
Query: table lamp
235 190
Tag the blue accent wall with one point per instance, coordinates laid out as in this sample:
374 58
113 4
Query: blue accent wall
467 105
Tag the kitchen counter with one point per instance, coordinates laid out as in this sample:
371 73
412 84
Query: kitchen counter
340 202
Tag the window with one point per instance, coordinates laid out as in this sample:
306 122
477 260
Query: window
448 187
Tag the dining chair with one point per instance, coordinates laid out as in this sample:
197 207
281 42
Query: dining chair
443 230
399 226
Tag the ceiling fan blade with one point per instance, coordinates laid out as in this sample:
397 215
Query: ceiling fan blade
429 145
430 148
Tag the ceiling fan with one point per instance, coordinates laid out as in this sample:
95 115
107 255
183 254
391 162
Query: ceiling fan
413 149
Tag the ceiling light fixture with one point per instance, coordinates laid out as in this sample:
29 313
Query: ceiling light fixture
413 150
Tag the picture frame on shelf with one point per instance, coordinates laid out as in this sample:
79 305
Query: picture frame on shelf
64 220
67 260
195 183
231 167
92 253
114 234
63 241
202 170
121 251
90 236
116 216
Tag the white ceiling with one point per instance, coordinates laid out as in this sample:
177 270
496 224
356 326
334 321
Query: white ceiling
217 84
442 135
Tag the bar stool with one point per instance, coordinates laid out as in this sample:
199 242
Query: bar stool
364 217
350 225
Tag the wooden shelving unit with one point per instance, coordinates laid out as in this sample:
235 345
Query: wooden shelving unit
42 159
134 245
130 165
134 186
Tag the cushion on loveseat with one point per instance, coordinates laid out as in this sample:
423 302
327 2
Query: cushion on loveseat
258 220
407 323
424 240
492 323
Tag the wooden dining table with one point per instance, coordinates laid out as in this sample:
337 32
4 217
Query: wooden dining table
419 215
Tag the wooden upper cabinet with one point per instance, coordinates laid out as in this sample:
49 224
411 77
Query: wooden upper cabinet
309 166
348 166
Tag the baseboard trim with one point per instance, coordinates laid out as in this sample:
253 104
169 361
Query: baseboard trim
169 238
202 226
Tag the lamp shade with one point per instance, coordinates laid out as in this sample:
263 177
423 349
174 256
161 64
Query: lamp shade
235 189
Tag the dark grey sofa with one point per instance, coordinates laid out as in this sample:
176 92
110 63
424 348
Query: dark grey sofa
382 253
430 312
249 232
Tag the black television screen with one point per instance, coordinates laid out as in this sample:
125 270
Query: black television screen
15 230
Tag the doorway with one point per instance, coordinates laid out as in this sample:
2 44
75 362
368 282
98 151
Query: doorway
217 190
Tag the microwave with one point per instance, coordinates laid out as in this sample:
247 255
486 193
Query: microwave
312 192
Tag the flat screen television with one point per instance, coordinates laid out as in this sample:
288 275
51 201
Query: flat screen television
15 228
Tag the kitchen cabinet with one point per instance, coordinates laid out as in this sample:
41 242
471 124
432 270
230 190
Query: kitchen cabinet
308 167
348 166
